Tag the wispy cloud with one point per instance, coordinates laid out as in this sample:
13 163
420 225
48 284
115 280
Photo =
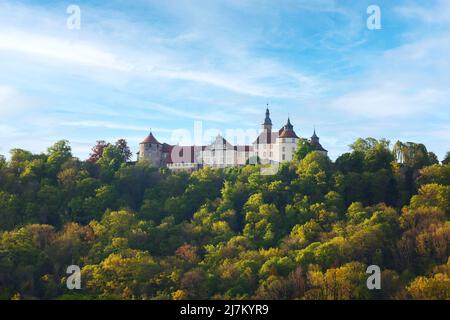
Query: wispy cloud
55 48
12 102
435 12
409 80
160 59
386 100
166 64
109 125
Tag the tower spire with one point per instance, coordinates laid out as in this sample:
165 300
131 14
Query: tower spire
315 141
288 125
314 136
267 125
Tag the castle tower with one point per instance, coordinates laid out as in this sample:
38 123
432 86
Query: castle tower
314 139
315 142
267 125
287 132
287 142
151 150
263 146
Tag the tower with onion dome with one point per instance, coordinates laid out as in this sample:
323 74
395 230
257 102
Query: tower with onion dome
270 147
267 125
263 147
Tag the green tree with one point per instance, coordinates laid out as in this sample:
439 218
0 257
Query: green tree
122 145
9 209
343 283
350 162
434 287
127 275
446 158
59 153
432 195
303 148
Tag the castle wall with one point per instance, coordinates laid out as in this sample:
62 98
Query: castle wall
265 151
270 146
151 153
219 158
285 149
242 157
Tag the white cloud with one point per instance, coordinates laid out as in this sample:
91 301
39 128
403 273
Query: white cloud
204 53
109 125
214 116
406 81
441 133
9 131
212 61
423 53
6 93
433 14
388 100
83 53
56 48
13 102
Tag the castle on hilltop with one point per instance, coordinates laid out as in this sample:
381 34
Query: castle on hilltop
269 147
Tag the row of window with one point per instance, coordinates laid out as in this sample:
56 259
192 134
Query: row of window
283 156
271 153
182 164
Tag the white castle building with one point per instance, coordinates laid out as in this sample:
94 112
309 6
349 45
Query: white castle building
269 147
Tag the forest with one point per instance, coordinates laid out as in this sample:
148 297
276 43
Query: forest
309 232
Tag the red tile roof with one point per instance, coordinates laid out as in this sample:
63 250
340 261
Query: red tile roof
288 134
150 139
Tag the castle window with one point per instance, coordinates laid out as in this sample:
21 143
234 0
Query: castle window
284 157
284 149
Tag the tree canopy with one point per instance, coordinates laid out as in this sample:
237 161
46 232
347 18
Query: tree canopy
307 232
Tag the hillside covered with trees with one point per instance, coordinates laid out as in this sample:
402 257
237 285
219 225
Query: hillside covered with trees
307 232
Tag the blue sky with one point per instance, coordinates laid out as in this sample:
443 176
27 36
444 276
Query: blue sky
166 64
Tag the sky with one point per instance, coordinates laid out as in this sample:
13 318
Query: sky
169 66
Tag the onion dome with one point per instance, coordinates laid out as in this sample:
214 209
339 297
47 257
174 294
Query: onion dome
267 120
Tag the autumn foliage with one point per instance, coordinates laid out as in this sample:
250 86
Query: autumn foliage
308 232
